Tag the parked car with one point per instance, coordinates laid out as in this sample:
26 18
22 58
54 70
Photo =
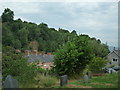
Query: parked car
108 70
117 68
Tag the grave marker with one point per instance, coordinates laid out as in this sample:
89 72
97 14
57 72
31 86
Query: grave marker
10 82
85 79
63 80
89 74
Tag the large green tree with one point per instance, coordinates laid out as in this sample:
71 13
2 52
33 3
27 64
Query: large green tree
7 15
72 57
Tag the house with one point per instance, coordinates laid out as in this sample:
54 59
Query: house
44 60
114 58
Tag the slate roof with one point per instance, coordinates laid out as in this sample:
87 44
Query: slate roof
117 52
42 58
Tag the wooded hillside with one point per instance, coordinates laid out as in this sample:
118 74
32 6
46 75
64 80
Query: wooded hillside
24 35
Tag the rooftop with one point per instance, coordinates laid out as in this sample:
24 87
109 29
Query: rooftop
42 58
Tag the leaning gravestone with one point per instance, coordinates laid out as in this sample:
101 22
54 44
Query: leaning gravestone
89 74
63 80
85 79
10 82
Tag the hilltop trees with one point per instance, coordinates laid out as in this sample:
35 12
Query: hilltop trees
7 15
18 34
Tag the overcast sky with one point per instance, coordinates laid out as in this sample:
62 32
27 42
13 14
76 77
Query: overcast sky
96 19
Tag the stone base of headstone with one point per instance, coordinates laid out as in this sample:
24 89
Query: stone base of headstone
89 73
63 80
85 79
10 82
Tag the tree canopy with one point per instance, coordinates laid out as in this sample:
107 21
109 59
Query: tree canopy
73 51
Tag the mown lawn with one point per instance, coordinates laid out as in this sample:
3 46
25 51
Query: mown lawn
106 81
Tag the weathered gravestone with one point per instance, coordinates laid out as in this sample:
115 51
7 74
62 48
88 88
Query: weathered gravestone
85 79
10 82
112 71
63 80
89 73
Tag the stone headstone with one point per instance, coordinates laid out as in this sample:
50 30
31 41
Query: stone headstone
112 71
63 80
85 79
10 82
89 74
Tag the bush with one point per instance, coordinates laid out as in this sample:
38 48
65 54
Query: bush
45 81
97 64
73 57
17 66
111 66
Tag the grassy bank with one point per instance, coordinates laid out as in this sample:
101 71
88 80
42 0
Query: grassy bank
106 81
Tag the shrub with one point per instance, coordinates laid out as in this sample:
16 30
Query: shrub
73 57
111 66
97 64
45 81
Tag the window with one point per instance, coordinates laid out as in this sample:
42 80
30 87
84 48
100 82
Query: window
115 60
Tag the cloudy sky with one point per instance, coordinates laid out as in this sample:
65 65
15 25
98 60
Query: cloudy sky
96 19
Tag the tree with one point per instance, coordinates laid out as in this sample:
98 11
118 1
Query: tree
65 59
16 65
72 57
7 15
34 45
74 32
23 36
97 64
7 35
16 44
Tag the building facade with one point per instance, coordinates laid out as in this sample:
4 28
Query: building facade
114 58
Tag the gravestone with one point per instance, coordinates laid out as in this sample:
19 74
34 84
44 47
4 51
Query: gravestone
63 80
89 73
85 79
112 71
10 82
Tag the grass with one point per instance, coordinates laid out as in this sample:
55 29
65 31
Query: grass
106 81
45 81
40 81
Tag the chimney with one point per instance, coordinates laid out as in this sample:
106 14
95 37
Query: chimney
35 52
27 52
48 53
17 51
42 53
114 48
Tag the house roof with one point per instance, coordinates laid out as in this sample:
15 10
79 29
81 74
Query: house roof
117 52
42 58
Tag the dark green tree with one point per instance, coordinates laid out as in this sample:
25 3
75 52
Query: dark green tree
7 15
72 57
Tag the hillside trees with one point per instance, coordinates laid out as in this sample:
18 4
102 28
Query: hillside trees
16 65
18 34
7 15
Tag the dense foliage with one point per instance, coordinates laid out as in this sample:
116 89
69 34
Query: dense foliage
16 65
73 51
73 57
97 64
27 35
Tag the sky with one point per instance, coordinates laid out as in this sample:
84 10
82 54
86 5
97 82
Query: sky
96 19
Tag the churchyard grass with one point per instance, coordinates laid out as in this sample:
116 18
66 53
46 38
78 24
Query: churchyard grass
106 81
